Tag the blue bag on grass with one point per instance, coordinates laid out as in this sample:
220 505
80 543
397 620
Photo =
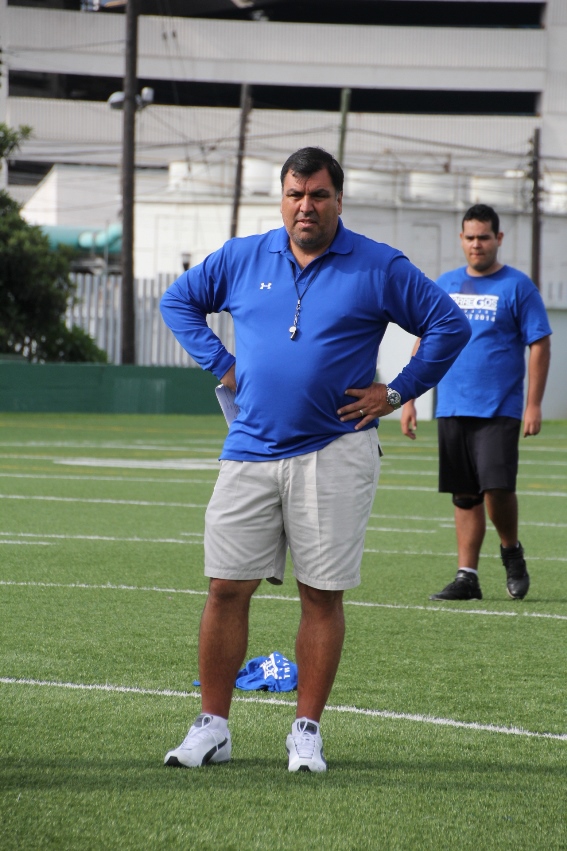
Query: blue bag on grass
268 673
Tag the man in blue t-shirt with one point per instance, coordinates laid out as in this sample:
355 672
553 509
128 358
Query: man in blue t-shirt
480 402
299 467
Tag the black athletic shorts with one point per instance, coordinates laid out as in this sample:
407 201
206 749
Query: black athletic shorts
477 454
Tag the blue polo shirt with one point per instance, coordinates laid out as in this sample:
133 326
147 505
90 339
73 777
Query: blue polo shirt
289 391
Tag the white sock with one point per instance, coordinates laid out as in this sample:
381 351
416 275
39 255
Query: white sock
469 570
218 722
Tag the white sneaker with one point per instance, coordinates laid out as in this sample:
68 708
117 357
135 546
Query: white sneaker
305 746
201 745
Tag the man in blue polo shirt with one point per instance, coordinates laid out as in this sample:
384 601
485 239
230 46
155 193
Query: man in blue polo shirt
480 402
299 467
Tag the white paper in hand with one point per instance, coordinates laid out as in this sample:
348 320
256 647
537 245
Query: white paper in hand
226 400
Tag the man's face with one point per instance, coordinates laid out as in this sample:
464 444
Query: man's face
310 211
480 245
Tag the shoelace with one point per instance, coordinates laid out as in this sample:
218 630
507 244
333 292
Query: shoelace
197 733
305 742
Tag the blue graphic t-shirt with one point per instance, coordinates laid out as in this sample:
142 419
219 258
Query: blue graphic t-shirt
506 313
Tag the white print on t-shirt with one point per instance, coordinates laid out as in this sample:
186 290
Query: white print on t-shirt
477 307
270 668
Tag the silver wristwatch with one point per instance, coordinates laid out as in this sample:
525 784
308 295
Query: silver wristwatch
393 398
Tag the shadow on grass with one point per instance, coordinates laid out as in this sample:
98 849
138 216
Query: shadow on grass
514 606
89 775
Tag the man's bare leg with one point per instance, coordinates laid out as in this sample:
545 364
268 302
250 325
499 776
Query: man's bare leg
318 648
502 507
470 526
223 639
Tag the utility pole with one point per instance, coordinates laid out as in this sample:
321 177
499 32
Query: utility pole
245 107
128 322
3 85
345 106
536 213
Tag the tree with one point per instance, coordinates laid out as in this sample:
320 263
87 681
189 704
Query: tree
10 140
35 286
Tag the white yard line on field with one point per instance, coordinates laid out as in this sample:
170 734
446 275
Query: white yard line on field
390 461
395 471
447 519
125 463
142 502
199 536
78 477
114 444
404 531
272 701
422 489
107 587
151 503
141 464
281 598
452 554
389 443
191 481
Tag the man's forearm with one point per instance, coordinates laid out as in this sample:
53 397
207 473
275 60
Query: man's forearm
538 368
189 326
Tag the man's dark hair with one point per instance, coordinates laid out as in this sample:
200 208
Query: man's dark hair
306 161
482 213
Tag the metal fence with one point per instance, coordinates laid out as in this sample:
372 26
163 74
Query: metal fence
97 310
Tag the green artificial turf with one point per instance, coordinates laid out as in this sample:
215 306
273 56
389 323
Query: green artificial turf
447 724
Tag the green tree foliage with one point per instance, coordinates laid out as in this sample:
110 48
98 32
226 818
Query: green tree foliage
10 140
35 286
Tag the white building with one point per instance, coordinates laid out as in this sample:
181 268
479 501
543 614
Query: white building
444 105
493 83
434 99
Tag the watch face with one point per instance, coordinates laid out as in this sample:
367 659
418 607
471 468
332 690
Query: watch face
394 398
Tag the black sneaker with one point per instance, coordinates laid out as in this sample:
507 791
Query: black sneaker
517 578
463 587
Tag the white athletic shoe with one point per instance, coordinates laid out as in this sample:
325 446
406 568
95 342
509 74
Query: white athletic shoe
201 745
305 746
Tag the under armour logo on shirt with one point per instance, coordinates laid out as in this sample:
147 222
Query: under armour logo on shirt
267 286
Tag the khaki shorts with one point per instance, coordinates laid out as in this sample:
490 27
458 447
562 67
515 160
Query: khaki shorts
317 504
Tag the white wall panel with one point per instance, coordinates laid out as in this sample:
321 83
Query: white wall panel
343 46
83 131
555 92
555 13
555 400
65 42
278 53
